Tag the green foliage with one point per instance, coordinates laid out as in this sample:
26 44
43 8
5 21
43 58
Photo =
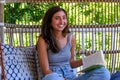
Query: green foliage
78 13
25 13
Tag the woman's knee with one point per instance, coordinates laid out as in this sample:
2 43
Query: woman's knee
101 74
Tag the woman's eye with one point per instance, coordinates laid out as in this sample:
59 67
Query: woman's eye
56 18
64 17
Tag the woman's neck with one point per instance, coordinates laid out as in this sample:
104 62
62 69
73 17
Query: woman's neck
58 35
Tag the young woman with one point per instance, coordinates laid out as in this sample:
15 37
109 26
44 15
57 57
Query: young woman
56 50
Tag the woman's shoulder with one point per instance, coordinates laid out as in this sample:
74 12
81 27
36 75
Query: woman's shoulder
71 35
71 38
41 41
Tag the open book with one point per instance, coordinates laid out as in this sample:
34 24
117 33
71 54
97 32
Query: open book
93 61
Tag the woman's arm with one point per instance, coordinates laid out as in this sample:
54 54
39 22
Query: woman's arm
43 59
74 63
42 54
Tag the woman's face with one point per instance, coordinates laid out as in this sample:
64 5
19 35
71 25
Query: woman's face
59 21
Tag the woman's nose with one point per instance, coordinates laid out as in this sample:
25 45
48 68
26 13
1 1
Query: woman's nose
61 21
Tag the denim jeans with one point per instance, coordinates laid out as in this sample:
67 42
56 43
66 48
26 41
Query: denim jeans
59 73
53 76
97 74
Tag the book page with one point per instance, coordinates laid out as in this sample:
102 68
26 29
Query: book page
93 61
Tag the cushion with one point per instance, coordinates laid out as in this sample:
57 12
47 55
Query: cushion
19 63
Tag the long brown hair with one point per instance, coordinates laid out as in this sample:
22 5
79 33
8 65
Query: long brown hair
47 31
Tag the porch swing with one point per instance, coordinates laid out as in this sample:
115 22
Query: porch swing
95 24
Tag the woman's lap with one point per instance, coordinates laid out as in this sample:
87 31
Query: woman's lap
98 74
65 71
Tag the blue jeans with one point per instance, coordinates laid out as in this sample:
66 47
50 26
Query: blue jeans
59 73
97 74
